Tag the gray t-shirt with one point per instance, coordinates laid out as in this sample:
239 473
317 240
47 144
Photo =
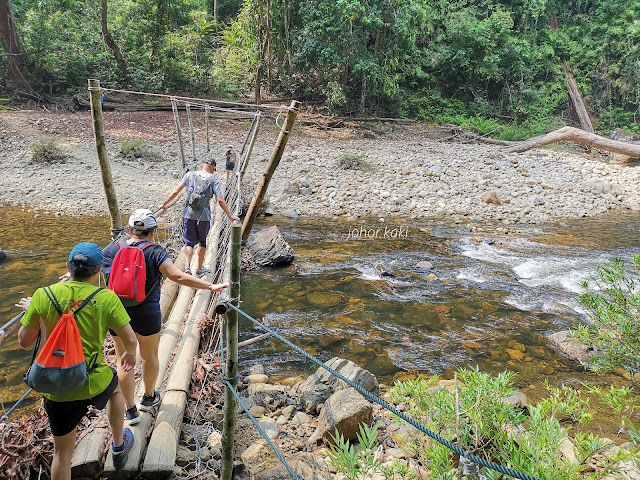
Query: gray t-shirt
210 187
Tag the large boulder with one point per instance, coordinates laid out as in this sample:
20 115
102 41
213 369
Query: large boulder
343 412
269 248
316 389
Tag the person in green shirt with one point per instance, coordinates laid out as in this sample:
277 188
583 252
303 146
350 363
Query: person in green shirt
104 311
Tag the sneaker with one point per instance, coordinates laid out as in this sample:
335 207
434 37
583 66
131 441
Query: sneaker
120 457
187 271
202 271
147 402
131 415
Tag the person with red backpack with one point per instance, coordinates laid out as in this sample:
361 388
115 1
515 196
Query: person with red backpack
134 269
88 312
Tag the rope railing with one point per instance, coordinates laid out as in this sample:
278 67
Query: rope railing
451 446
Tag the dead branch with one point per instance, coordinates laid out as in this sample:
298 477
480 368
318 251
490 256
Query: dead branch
572 134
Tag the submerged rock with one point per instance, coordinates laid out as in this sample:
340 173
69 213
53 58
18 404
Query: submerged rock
3 254
570 347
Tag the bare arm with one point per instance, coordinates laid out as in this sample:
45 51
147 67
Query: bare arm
172 195
225 208
128 360
174 273
27 336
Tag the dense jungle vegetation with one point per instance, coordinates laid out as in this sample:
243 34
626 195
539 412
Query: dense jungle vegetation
478 63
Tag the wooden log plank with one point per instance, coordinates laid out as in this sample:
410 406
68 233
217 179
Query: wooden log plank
160 458
576 99
572 134
87 456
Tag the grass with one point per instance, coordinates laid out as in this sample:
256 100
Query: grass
47 150
138 149
354 161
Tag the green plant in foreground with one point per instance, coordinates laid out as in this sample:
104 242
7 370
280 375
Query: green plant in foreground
5 107
354 464
547 443
47 150
136 148
614 307
623 403
353 161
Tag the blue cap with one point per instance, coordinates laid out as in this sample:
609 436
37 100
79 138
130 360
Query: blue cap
87 252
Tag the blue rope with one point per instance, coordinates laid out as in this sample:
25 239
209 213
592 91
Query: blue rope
262 432
255 422
15 405
481 461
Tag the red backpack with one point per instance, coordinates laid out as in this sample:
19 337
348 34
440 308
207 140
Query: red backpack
128 274
61 366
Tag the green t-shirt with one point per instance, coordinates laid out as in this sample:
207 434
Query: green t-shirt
104 311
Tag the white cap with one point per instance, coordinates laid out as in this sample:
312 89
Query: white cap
142 219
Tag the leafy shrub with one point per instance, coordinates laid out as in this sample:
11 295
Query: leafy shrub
614 307
136 148
47 150
354 161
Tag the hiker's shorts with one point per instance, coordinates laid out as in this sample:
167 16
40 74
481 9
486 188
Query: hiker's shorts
143 323
65 416
231 165
195 232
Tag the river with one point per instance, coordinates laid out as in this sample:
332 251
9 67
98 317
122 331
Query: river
354 291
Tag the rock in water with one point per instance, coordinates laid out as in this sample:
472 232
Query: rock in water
269 248
3 255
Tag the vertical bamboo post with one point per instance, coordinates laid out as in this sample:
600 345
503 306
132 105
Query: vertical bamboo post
176 119
231 371
101 146
274 160
252 141
206 126
193 136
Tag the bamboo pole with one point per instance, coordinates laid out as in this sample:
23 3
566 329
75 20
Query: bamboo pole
206 126
231 366
10 327
193 135
101 146
252 141
274 160
176 119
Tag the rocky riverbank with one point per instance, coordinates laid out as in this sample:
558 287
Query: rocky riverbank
301 420
403 172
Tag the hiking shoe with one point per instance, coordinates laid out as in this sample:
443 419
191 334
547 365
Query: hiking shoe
131 415
147 402
202 271
187 271
120 457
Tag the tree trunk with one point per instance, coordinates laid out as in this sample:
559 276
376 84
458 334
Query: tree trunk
579 136
268 45
19 65
581 110
111 44
215 11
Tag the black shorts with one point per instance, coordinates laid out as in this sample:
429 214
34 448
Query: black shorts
65 416
144 324
231 166
195 232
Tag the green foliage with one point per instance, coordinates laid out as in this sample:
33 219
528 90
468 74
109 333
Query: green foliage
625 404
137 148
354 161
47 150
493 429
354 463
5 107
433 61
613 305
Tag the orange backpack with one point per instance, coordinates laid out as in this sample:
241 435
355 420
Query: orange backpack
61 366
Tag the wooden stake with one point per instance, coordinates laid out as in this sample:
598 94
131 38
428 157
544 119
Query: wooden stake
231 371
193 136
176 119
206 126
274 160
252 141
101 146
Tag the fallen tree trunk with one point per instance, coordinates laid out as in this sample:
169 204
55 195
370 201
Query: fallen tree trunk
572 134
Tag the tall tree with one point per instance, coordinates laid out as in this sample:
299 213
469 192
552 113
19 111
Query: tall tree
111 44
18 72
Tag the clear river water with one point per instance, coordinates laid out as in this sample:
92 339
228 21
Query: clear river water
354 291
